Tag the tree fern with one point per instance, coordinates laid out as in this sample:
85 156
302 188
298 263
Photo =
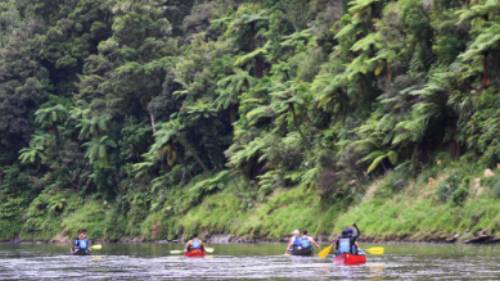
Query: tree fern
367 42
375 158
166 133
357 6
258 113
240 154
483 8
488 40
297 39
51 114
35 152
97 151
230 87
88 122
269 181
360 65
248 57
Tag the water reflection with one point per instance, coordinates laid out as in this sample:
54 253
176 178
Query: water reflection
246 262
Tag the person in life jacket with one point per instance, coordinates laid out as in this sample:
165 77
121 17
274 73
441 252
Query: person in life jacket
293 242
194 244
301 243
81 245
307 241
346 243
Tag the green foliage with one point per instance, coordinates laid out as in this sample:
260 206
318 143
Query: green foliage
458 197
358 6
409 218
43 216
414 17
493 183
454 189
97 151
447 187
292 107
37 149
199 189
9 20
91 216
496 190
376 158
487 40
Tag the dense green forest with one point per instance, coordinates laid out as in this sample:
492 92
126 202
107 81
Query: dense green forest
154 119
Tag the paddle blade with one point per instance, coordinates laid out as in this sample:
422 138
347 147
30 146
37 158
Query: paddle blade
324 253
175 252
209 250
96 247
375 250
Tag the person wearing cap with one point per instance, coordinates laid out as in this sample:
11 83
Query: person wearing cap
293 242
301 245
346 243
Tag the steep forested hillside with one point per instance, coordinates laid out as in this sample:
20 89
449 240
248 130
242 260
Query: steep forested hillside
158 118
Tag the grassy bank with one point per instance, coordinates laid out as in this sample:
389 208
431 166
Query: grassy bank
419 215
157 119
452 203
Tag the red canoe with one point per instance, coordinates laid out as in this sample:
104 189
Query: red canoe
350 259
195 253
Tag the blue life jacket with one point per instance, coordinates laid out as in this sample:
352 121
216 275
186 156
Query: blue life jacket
82 244
195 244
344 245
297 242
304 242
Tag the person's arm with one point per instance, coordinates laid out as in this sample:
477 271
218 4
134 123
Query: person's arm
314 242
289 245
186 247
74 246
357 232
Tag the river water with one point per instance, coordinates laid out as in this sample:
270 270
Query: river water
246 262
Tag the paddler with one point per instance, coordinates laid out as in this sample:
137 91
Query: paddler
293 242
346 243
81 245
301 244
194 244
307 240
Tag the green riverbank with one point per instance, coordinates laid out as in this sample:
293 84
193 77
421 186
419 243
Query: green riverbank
155 119
450 204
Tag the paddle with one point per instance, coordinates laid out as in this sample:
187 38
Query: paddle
96 247
324 253
375 250
177 252
372 251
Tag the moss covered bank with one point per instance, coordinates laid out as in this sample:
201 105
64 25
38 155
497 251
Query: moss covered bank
452 204
155 119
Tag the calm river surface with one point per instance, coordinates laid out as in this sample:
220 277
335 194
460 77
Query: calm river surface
246 262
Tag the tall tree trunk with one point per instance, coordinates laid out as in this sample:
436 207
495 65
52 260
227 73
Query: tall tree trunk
485 81
153 123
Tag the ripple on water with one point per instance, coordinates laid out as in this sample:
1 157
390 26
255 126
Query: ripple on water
171 268
226 267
